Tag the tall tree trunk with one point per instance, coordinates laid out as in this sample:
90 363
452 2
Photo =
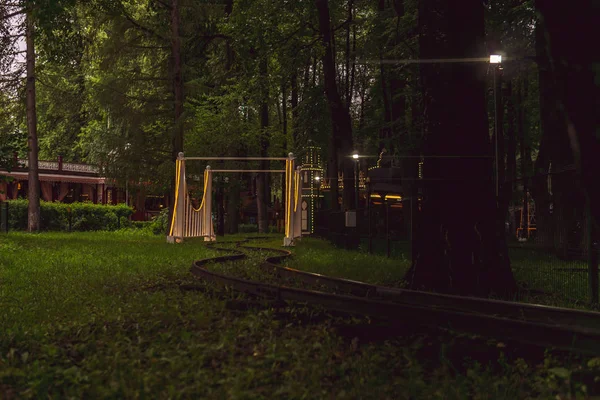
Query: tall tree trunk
499 128
347 69
177 138
555 139
294 82
33 191
385 131
220 200
177 88
341 140
397 89
353 68
539 181
233 194
461 248
569 30
294 104
284 112
507 190
262 187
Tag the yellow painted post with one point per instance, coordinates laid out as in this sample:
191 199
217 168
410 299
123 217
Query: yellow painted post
208 230
288 240
177 229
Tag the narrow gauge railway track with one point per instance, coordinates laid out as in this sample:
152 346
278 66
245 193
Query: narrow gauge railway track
562 328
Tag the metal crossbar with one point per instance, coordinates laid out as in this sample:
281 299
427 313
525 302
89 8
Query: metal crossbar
238 158
248 170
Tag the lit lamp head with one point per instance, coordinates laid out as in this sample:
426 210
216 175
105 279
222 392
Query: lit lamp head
317 178
355 156
495 59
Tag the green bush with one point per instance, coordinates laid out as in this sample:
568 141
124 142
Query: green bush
248 228
253 228
160 224
83 216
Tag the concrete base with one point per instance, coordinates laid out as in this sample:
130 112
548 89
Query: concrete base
210 238
288 242
174 239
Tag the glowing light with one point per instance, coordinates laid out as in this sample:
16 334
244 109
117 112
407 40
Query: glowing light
495 59
389 196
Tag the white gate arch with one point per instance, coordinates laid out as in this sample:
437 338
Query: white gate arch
188 221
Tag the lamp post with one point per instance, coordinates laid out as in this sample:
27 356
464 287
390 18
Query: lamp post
318 180
127 147
497 61
355 157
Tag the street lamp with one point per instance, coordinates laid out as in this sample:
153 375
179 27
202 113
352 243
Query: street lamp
127 147
496 59
355 157
318 180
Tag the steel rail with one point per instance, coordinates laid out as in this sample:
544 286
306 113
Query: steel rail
507 309
514 310
548 326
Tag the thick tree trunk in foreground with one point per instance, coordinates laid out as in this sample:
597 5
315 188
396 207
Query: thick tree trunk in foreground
340 145
33 193
461 247
569 30
575 68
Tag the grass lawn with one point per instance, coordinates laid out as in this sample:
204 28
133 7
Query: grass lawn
102 315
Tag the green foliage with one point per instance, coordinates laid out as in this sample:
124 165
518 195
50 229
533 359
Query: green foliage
12 138
83 216
160 224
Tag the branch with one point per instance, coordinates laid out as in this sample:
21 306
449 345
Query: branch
14 53
216 36
11 15
143 28
165 5
144 99
134 46
148 78
287 38
309 44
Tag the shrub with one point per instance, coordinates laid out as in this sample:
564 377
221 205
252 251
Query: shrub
160 224
83 216
253 228
248 228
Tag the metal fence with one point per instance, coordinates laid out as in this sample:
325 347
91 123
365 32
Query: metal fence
380 229
549 235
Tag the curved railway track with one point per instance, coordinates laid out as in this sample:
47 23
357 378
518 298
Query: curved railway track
561 328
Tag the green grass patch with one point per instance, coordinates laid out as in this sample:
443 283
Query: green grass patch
561 282
102 315
319 256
